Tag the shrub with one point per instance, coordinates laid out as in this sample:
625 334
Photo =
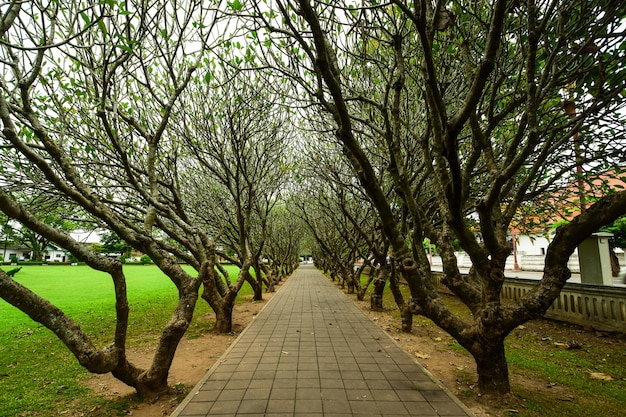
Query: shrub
145 260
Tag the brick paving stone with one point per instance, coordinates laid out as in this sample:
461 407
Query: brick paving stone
312 353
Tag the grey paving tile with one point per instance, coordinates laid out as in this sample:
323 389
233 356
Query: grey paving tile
283 393
308 375
231 395
447 408
224 408
286 374
355 384
206 396
392 407
435 396
281 406
345 365
257 393
363 407
308 383
213 385
256 406
308 406
310 365
385 395
375 384
259 375
410 396
421 409
308 393
333 394
284 383
406 384
359 394
334 383
336 406
221 376
229 367
196 409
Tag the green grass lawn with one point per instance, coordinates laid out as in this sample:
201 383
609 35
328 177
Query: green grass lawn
38 375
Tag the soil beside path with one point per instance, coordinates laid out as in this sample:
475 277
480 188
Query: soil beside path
193 359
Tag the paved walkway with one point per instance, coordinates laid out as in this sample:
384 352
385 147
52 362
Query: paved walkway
312 352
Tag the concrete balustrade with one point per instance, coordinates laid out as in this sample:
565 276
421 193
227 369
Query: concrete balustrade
601 307
597 306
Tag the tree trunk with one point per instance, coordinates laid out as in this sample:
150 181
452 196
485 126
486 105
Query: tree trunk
221 305
361 293
221 285
493 371
376 299
257 286
258 292
145 384
149 383
406 310
376 302
407 318
36 255
349 279
224 317
269 278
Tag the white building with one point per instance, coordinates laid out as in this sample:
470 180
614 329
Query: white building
21 253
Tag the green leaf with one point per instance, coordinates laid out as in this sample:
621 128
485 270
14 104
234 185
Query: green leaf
236 5
85 18
102 27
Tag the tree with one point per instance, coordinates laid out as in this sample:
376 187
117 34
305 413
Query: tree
53 211
285 234
111 243
466 102
235 134
337 217
333 198
87 94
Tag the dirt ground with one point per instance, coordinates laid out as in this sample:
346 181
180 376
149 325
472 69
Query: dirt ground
193 359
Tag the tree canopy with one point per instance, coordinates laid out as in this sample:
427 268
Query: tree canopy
176 125
470 110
